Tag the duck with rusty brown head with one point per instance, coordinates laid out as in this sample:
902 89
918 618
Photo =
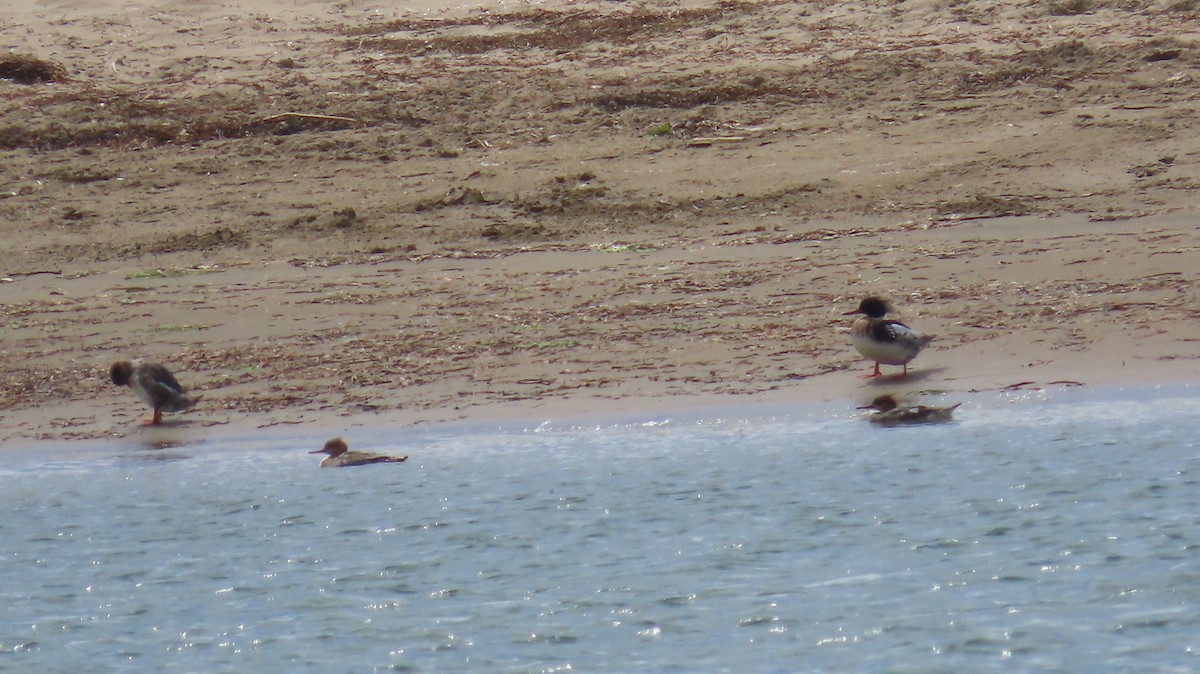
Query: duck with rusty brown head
890 412
154 384
340 456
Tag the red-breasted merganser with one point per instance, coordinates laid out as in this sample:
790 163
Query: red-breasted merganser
889 412
886 342
154 384
340 456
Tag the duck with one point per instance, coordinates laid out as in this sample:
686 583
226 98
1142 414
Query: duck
889 412
885 341
154 384
340 456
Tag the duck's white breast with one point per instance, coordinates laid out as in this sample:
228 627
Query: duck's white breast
907 345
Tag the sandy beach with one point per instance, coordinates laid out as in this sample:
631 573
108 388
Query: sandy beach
347 213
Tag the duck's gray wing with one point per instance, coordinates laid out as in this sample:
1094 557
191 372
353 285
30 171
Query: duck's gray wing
164 390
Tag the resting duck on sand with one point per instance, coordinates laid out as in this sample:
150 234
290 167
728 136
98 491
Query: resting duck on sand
340 456
154 384
888 412
886 342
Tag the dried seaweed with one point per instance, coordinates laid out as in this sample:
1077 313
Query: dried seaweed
540 29
25 69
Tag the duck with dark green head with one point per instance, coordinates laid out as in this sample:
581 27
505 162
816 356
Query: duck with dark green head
885 341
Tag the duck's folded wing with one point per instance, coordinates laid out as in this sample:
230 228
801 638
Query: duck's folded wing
888 331
162 388
389 459
895 331
154 375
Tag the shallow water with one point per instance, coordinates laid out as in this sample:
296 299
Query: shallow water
1036 534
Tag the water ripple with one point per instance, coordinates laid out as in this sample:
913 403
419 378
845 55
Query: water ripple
1035 537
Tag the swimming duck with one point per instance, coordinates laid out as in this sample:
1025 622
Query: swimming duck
889 412
154 384
340 456
884 341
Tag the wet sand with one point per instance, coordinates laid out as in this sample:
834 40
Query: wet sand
340 214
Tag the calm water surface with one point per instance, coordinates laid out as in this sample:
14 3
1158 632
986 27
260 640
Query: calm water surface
1045 534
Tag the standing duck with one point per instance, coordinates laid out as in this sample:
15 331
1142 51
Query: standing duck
889 412
884 341
154 384
340 456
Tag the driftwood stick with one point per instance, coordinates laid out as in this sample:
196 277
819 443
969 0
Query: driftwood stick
706 142
34 273
307 115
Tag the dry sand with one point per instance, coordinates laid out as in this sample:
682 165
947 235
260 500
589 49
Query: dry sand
342 213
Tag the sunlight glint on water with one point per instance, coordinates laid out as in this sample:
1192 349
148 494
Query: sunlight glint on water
1038 536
